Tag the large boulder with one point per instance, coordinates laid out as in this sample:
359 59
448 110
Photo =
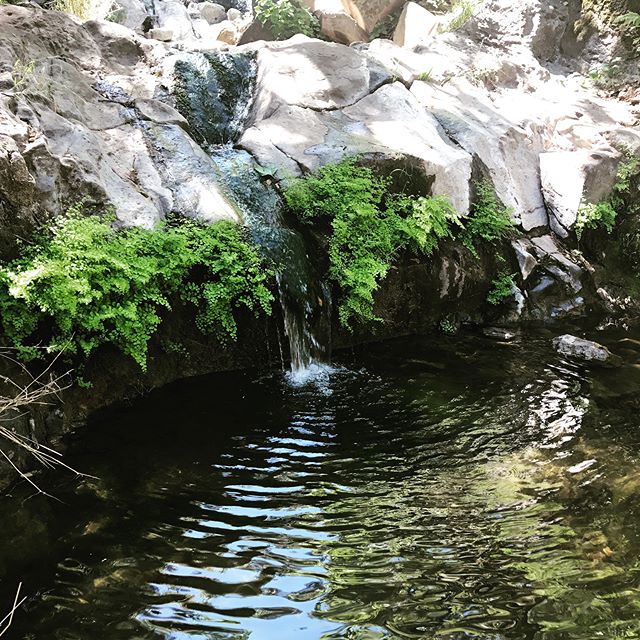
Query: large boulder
507 153
312 74
414 25
581 349
571 179
88 127
363 128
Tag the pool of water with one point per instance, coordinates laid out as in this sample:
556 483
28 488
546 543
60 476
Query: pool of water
454 488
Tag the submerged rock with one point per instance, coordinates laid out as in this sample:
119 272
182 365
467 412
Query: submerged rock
582 349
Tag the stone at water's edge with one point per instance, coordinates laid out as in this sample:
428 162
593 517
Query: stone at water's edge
582 349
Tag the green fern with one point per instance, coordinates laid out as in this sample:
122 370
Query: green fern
85 284
368 229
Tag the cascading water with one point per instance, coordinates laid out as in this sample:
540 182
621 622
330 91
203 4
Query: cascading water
214 92
304 303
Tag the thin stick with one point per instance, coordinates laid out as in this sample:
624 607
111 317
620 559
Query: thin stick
16 605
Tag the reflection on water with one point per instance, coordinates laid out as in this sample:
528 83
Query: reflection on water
453 491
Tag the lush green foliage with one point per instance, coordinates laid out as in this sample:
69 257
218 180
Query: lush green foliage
84 284
368 228
593 216
501 288
490 220
630 23
285 18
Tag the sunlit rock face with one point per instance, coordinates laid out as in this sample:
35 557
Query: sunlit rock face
116 116
81 122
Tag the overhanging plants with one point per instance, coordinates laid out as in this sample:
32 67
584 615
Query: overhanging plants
369 226
84 284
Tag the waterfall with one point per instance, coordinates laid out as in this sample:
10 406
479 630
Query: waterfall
304 301
214 92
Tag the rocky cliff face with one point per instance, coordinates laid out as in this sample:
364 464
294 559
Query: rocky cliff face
106 113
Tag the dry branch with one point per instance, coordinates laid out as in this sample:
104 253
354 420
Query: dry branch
8 619
40 389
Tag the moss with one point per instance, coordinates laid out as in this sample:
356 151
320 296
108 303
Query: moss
213 91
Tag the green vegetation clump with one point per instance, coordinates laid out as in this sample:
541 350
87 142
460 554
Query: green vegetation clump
594 216
501 288
286 18
490 220
85 284
630 23
368 228
604 214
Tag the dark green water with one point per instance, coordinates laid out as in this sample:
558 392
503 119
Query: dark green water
452 490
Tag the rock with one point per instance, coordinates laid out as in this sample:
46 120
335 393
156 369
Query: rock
213 91
131 14
414 25
536 24
173 15
585 350
163 35
227 32
574 178
193 9
255 32
363 128
335 76
160 112
371 12
83 136
526 261
213 13
507 151
234 15
500 333
341 27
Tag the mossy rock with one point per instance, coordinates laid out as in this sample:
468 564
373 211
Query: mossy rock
213 92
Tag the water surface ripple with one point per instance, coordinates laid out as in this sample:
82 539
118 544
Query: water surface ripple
459 490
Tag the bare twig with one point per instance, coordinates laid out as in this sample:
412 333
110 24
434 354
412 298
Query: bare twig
9 617
38 390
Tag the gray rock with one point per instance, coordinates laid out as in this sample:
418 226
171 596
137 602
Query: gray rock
255 32
173 15
508 152
500 333
581 349
161 34
130 13
574 178
362 128
160 112
85 137
414 25
234 14
310 74
212 12
341 27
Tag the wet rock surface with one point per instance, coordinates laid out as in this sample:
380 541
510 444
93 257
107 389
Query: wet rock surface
585 350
